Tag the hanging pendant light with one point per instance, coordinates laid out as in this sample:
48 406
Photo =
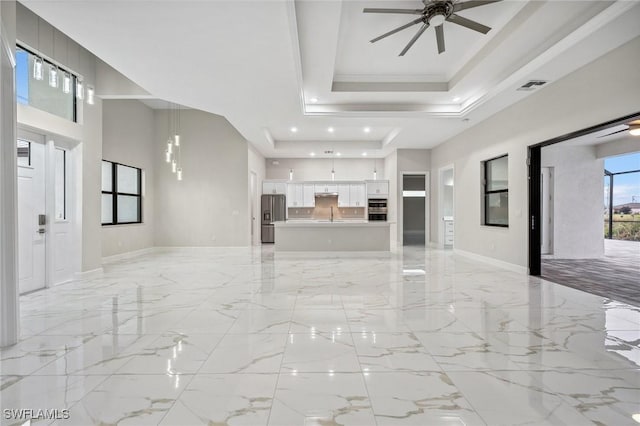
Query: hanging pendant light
37 68
66 83
290 174
179 173
79 89
53 76
38 72
174 166
167 156
375 171
91 95
169 147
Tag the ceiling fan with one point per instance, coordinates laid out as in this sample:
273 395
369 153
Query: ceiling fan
435 13
633 128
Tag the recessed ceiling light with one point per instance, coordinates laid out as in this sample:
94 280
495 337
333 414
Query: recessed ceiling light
456 99
636 417
338 154
294 129
313 100
367 129
330 130
364 154
313 154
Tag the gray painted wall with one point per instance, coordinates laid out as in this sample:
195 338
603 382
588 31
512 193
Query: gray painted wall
578 188
128 138
320 168
561 108
210 206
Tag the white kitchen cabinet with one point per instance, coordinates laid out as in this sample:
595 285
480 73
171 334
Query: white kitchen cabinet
274 187
448 232
294 195
357 196
378 188
344 197
326 187
308 195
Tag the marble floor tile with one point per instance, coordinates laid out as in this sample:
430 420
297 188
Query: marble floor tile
48 392
514 398
320 353
307 320
317 399
172 354
247 336
247 353
418 398
128 400
392 352
262 321
224 399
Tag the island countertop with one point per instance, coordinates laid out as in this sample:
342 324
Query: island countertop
324 235
306 223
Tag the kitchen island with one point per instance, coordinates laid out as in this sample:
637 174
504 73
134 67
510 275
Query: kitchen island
324 235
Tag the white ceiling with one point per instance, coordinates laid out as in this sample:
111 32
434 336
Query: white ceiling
261 63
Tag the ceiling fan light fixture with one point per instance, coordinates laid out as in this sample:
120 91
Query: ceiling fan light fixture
437 20
634 129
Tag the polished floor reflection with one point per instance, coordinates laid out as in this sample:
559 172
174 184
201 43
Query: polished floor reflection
249 337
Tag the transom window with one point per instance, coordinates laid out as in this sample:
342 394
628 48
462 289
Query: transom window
121 194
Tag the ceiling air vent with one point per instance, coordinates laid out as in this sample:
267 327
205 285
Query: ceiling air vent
328 151
532 85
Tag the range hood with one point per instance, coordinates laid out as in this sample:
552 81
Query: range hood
326 194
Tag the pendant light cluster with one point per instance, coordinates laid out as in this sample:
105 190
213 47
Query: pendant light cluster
174 144
54 73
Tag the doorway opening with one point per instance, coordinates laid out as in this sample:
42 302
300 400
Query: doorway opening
414 209
574 210
445 224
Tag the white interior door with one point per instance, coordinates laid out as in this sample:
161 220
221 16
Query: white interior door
31 204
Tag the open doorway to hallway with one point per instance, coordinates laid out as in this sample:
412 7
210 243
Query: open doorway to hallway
414 209
588 228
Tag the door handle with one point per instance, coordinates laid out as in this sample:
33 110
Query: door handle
41 231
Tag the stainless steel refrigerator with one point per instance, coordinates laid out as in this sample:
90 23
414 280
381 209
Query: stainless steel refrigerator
273 210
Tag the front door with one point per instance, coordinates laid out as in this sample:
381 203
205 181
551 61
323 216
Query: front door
31 214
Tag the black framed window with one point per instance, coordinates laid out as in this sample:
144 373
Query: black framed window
121 194
495 195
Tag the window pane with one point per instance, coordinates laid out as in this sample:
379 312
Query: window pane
22 76
497 208
107 208
128 208
41 95
106 176
60 184
497 174
127 180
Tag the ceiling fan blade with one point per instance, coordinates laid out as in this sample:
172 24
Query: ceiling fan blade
471 4
440 38
403 11
414 39
400 28
609 134
468 23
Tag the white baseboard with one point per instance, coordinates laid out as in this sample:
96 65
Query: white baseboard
128 255
491 261
94 273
